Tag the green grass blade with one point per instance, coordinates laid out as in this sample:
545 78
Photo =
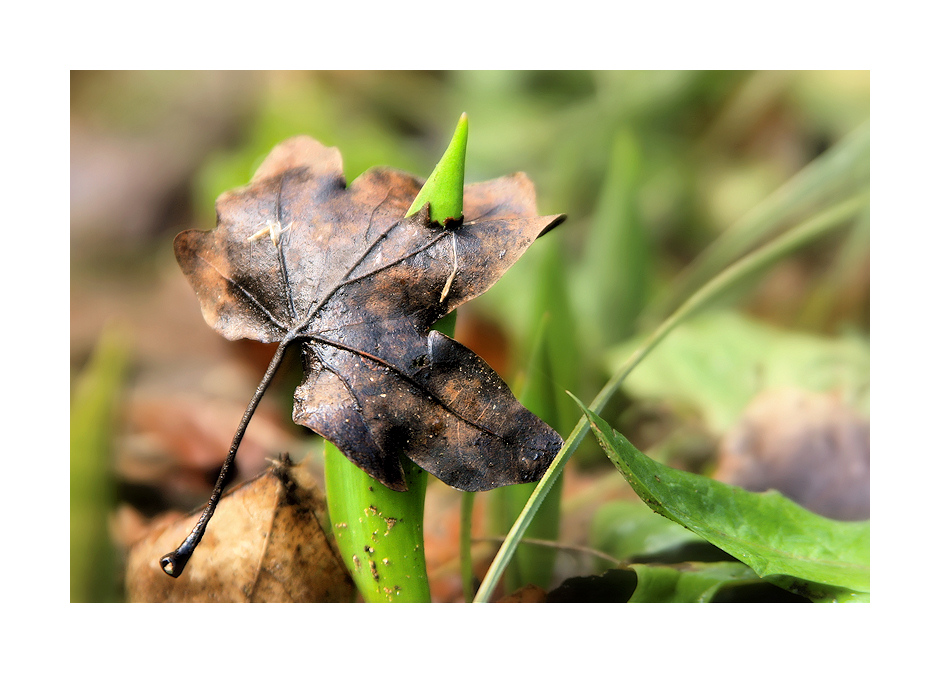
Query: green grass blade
532 564
553 330
516 533
841 172
554 352
777 538
617 255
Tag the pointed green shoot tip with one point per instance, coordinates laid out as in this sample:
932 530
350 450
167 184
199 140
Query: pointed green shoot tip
444 189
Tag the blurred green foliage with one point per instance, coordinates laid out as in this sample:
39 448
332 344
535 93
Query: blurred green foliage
718 362
649 166
93 494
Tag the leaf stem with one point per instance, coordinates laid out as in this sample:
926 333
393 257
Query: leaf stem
740 270
174 562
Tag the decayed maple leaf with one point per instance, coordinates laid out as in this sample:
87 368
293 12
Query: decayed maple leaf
299 256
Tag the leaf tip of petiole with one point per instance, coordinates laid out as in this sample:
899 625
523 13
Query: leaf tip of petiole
174 563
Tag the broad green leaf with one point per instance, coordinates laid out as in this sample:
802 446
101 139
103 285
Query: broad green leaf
782 542
688 582
626 529
717 362
744 268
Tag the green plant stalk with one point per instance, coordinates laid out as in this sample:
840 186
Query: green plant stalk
617 252
738 272
380 532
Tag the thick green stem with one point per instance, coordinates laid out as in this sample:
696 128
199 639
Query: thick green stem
380 532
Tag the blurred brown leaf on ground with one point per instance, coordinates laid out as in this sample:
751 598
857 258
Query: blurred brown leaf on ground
527 594
269 542
811 447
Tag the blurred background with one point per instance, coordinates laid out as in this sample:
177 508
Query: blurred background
666 177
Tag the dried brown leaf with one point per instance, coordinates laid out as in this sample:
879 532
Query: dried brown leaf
298 255
530 593
268 543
